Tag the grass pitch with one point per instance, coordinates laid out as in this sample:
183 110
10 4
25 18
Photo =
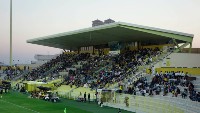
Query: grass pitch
14 102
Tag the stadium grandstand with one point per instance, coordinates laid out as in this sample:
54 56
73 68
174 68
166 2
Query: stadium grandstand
120 65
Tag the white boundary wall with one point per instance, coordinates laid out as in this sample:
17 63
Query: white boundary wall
189 60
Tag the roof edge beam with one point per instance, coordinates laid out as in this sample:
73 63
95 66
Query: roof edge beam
171 35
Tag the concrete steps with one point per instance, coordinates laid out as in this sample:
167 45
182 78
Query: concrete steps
2 76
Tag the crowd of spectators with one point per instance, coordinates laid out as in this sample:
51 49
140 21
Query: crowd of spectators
54 66
115 68
86 74
95 71
125 64
12 72
168 83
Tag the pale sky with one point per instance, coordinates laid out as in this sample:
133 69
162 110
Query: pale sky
37 18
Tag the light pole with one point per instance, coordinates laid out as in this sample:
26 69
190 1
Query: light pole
10 32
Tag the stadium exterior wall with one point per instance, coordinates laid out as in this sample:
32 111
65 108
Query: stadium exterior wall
186 62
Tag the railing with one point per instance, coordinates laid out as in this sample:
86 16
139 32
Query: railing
74 95
142 69
154 105
52 69
20 75
103 66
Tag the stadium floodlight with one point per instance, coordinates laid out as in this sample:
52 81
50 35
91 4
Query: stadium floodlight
10 32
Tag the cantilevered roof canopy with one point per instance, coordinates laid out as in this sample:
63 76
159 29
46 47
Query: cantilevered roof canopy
118 31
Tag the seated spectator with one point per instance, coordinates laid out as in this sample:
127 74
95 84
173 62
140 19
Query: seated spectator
173 92
184 93
158 90
150 92
193 95
191 86
165 91
143 92
177 91
198 96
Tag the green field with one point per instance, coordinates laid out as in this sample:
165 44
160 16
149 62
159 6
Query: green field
14 102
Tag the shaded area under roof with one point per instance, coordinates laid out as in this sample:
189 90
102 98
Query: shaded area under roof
118 31
44 88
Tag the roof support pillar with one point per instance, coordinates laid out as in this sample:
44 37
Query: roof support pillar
139 45
176 44
79 50
93 50
64 50
190 49
182 46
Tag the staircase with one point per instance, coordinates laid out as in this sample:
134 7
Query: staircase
2 76
20 75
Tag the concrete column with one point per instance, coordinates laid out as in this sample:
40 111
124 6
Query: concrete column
79 50
93 50
190 49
